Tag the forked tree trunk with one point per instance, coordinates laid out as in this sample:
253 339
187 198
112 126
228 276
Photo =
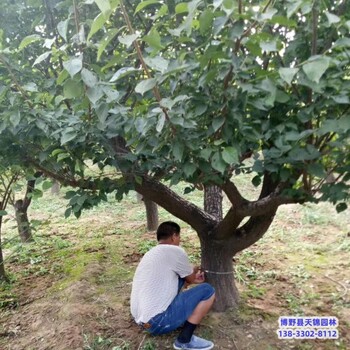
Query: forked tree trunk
217 256
23 224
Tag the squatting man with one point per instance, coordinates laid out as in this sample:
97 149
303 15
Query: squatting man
158 302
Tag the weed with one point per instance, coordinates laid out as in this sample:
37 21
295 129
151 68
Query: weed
100 343
149 345
145 246
60 243
294 304
299 273
255 292
8 300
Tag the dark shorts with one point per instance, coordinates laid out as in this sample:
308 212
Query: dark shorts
180 309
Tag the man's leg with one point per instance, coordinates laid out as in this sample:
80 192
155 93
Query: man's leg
201 310
194 302
193 320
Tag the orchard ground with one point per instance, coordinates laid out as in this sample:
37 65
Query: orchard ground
70 288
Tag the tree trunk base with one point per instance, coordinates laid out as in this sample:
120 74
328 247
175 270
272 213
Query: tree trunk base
218 267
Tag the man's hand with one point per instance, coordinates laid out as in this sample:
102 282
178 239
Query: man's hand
200 278
196 277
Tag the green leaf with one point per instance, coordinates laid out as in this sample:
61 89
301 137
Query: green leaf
287 74
332 18
94 93
62 156
230 155
72 88
256 181
283 21
128 39
62 28
219 24
153 39
74 65
182 7
157 63
145 85
217 123
97 24
205 153
63 75
341 207
178 150
42 57
267 15
316 170
316 67
67 213
161 122
15 118
217 163
105 41
3 212
293 7
122 72
29 40
205 21
89 78
104 6
269 46
47 184
68 134
144 4
31 87
189 169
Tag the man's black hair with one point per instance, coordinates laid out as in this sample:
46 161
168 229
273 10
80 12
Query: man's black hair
167 229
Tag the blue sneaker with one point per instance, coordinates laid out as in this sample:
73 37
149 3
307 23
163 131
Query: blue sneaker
196 343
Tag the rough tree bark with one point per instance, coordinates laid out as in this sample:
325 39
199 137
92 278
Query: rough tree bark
152 214
213 201
21 209
216 258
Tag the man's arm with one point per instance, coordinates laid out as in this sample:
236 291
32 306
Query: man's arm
197 276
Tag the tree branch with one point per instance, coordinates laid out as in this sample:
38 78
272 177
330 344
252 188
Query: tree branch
143 63
186 211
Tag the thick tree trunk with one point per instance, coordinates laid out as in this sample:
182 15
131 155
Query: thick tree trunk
152 214
23 224
217 256
218 268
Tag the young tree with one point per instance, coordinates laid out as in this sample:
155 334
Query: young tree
21 211
7 179
195 91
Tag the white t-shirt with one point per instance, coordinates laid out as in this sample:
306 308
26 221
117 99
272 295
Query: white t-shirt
156 280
